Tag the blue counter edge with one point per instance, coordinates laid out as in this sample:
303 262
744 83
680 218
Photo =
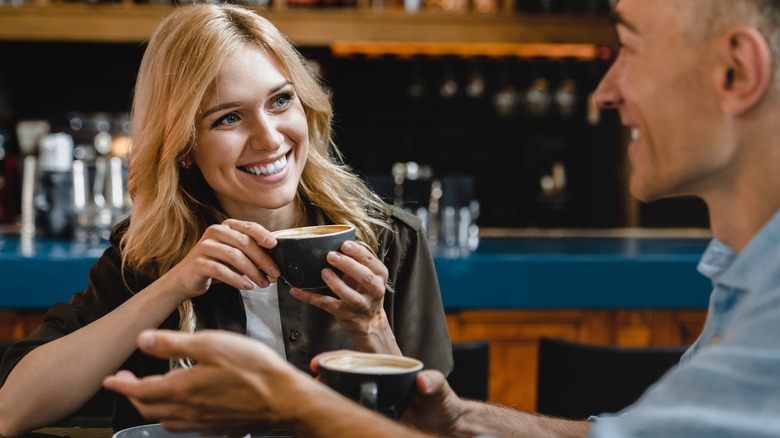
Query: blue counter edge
574 285
543 276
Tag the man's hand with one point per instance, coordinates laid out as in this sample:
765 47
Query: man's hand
434 408
232 390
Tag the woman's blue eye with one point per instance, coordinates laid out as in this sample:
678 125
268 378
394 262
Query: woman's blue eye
282 100
227 119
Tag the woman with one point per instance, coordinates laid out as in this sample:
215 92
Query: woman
231 141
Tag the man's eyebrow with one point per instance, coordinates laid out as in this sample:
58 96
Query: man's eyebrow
618 19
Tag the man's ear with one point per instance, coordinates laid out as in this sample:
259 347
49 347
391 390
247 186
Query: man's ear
745 73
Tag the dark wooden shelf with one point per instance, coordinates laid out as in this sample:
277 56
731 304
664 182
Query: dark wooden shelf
128 23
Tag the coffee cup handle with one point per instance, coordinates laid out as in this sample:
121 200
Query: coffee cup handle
368 394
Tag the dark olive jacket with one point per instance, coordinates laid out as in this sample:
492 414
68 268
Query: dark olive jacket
412 302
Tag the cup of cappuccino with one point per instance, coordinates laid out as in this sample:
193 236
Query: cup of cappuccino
301 252
381 382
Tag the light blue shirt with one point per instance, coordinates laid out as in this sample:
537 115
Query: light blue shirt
728 383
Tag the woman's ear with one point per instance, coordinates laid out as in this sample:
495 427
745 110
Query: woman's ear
745 73
185 162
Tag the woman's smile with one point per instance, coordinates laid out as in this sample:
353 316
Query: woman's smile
267 168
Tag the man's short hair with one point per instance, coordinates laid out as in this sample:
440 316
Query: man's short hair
711 17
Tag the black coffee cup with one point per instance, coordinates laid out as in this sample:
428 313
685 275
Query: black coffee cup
301 252
381 382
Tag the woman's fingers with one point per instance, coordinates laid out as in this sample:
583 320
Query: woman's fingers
230 253
254 240
358 294
363 272
362 258
243 249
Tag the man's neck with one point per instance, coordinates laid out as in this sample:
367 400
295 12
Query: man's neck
738 214
745 195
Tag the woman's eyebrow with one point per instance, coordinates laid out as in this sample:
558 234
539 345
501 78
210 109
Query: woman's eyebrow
226 105
217 108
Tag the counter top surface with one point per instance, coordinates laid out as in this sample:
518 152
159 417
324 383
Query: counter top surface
577 272
503 273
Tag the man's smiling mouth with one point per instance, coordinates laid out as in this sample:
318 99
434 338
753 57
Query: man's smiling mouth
635 134
266 169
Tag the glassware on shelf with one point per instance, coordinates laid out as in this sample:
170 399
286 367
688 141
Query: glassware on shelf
101 204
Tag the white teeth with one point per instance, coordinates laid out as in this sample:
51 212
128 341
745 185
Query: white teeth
634 134
268 169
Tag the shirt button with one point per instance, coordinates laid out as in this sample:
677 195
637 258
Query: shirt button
294 335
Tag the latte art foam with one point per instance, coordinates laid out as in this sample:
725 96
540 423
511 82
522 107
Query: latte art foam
308 232
372 365
378 369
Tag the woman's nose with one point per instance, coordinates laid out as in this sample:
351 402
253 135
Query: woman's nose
265 135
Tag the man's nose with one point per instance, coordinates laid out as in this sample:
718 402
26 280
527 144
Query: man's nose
607 95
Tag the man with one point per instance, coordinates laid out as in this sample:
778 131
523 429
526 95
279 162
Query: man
696 83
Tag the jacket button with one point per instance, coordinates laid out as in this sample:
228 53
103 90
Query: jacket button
294 335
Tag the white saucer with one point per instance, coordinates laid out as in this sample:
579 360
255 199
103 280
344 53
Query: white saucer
157 431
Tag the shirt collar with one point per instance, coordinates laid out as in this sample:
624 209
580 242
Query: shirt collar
742 270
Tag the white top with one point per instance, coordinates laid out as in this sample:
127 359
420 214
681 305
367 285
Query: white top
263 321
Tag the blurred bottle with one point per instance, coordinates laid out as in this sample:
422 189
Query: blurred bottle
486 6
53 202
449 5
102 140
9 161
538 97
9 175
459 234
555 203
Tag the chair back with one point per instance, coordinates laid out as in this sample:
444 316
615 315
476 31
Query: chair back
577 380
4 344
471 373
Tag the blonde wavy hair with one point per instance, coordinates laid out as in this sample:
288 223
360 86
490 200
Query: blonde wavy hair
181 61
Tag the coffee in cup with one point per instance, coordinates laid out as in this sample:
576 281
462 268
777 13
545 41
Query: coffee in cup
301 252
380 382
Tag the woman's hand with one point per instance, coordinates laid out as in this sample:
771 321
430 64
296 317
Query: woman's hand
231 252
361 292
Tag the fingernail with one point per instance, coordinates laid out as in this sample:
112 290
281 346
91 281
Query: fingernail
327 274
348 246
146 339
334 256
247 285
265 281
426 383
270 241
